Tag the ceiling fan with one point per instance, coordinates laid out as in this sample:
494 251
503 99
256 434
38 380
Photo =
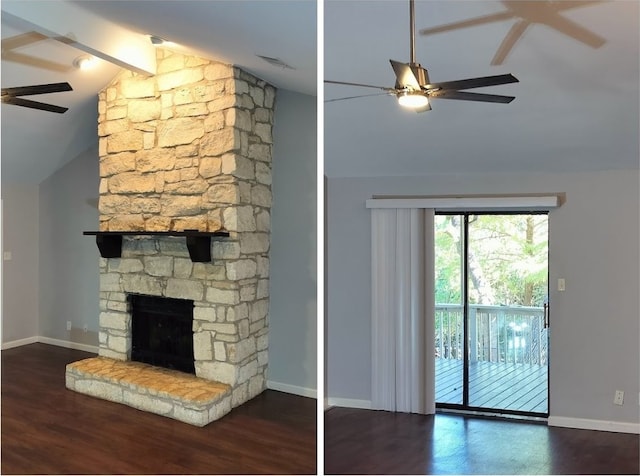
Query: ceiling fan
414 90
11 96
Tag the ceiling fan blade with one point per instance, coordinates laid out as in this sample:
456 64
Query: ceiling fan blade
21 40
355 97
405 77
467 23
475 82
565 4
34 104
516 31
34 61
575 31
37 89
466 96
360 85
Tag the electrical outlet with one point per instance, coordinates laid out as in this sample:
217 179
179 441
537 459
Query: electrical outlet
618 399
68 325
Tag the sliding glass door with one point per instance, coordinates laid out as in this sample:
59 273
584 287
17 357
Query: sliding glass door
491 312
449 317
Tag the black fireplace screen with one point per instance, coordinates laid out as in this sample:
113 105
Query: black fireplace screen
161 331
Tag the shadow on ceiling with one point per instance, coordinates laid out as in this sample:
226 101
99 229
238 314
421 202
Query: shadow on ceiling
529 13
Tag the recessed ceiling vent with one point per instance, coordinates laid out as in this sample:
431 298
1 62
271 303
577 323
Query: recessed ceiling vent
276 62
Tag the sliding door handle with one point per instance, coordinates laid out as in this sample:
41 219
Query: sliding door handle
546 315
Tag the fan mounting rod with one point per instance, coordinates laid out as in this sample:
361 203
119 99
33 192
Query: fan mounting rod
412 31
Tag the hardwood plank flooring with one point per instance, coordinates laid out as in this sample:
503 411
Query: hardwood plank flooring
518 387
378 442
47 429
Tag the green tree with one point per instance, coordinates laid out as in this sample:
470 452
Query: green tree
507 259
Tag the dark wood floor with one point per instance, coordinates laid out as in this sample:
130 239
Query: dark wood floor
518 387
48 429
378 442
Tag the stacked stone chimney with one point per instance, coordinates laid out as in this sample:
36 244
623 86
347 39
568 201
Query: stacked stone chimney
190 148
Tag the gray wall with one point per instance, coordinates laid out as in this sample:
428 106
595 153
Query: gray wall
292 315
69 260
594 245
20 274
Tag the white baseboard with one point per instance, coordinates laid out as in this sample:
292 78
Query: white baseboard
48 340
348 403
19 342
599 425
68 344
294 389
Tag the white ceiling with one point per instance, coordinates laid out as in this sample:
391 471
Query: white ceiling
37 143
576 105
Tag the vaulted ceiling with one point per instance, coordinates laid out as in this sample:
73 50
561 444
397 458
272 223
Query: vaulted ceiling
41 40
576 105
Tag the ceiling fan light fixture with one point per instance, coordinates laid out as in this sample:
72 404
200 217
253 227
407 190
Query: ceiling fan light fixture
413 99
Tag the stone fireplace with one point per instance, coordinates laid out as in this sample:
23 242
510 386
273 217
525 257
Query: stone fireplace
187 149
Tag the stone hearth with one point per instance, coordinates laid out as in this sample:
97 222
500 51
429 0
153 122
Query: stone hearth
162 391
186 149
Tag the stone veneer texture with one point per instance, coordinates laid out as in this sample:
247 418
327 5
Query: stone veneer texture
165 392
190 148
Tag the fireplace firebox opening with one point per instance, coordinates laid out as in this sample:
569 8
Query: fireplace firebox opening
162 331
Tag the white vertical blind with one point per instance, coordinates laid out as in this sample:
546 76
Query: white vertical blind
403 311
383 378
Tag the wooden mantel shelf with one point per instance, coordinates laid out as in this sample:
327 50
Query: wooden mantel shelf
198 242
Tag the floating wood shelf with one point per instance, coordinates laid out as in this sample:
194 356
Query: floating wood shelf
198 242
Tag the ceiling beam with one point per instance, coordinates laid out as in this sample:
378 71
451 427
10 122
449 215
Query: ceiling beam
85 31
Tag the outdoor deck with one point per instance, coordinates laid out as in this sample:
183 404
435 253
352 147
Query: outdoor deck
520 387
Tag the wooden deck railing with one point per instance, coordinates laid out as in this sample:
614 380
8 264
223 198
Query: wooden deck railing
496 333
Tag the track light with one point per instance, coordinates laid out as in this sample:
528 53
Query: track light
84 62
413 99
156 40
